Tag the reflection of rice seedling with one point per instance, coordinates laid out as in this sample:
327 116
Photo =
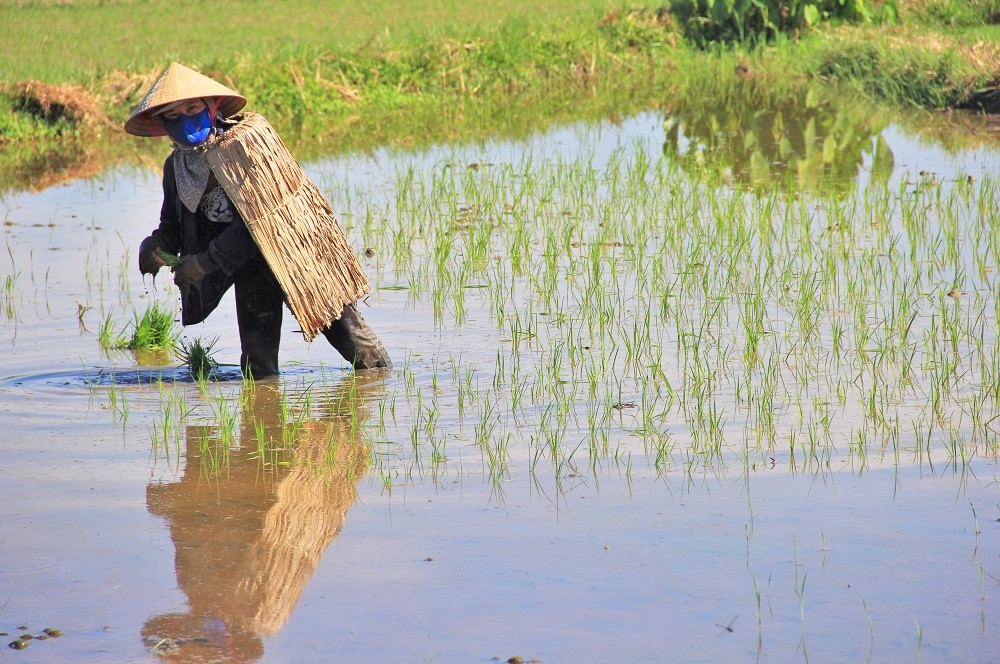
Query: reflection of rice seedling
198 357
9 285
154 329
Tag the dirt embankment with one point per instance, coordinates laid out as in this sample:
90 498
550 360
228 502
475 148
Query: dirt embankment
80 139
56 104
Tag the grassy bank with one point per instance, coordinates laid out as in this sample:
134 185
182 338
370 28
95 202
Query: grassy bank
337 79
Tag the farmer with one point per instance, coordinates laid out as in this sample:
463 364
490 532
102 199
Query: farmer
200 222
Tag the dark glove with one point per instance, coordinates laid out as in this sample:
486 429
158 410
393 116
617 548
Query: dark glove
191 271
149 262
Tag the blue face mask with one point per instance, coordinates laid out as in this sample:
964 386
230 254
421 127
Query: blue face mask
190 130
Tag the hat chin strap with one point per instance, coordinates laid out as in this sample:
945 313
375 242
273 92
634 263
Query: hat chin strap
213 109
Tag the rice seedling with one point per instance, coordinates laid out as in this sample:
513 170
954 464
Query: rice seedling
10 285
168 431
172 260
197 356
118 402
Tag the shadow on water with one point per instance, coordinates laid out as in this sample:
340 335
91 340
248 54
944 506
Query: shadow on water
248 536
27 168
139 376
801 141
119 377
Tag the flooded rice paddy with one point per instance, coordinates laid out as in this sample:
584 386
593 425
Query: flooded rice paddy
658 395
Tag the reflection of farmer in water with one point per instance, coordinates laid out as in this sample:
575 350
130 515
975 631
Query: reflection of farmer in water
248 541
241 213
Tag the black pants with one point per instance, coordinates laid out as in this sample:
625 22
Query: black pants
259 308
259 304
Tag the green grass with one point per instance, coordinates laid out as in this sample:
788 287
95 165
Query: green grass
912 67
951 13
149 34
479 79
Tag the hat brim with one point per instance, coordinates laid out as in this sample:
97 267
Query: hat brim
178 83
145 123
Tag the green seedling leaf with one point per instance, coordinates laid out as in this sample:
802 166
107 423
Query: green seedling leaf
171 260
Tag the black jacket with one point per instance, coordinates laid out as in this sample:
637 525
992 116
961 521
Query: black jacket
225 247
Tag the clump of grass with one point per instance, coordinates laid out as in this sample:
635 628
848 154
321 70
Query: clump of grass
197 355
886 66
949 13
153 329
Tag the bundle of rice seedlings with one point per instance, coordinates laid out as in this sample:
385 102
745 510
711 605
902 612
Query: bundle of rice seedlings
198 357
171 260
153 329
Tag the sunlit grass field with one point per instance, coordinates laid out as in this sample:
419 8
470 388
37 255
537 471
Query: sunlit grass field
60 42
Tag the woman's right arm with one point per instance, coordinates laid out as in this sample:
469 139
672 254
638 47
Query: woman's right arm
169 231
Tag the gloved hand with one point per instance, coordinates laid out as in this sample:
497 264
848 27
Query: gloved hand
191 271
149 262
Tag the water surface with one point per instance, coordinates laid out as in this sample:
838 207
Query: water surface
522 482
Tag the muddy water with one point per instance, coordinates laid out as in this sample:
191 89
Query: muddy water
144 515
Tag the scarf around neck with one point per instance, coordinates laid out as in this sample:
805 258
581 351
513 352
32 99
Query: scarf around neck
191 171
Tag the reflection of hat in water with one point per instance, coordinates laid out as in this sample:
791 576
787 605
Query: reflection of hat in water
176 84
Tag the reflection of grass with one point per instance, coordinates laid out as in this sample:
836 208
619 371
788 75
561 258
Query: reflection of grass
801 140
153 329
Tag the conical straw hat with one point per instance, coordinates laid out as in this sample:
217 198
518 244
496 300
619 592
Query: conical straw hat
175 84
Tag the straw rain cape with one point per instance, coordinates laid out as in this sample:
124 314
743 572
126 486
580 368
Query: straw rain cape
291 222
